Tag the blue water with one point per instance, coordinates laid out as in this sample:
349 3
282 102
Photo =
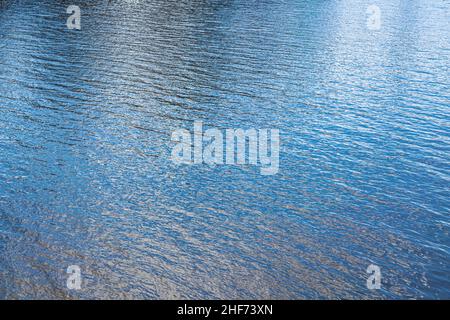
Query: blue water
85 140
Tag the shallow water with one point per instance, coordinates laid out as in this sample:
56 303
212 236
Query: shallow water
85 140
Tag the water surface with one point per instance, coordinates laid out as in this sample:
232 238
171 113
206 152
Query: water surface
86 119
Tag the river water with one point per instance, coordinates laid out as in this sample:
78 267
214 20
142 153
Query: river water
86 178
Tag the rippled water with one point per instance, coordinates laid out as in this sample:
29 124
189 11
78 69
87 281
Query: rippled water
85 138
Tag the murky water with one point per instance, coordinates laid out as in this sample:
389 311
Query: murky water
86 119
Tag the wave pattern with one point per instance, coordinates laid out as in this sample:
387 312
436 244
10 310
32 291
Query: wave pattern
86 119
